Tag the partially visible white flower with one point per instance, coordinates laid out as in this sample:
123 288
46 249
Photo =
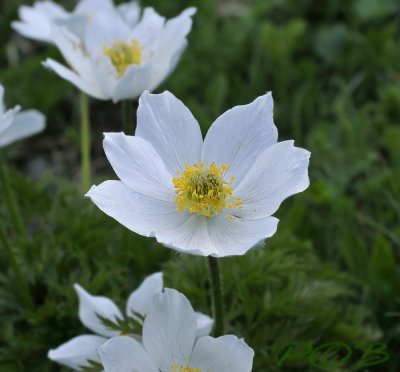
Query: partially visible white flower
79 351
170 344
114 60
36 21
16 124
213 197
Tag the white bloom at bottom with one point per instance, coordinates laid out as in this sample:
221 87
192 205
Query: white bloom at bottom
16 124
212 198
79 351
170 345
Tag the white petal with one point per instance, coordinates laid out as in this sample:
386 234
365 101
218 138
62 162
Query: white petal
140 300
36 21
7 118
123 354
105 27
164 66
71 48
279 172
89 7
169 330
2 107
170 45
237 236
204 324
218 236
149 28
222 354
130 12
189 237
170 127
141 214
76 352
91 306
133 83
72 77
24 124
138 165
239 136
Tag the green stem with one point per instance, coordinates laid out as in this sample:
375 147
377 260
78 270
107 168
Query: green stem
128 125
16 267
216 296
85 142
11 200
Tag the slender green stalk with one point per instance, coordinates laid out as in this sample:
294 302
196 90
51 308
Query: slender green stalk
12 254
128 125
10 199
85 142
216 296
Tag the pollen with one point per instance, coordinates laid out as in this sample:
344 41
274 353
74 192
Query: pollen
204 191
123 54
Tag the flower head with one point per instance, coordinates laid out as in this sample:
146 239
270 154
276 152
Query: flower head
213 197
170 345
16 124
118 58
96 311
36 21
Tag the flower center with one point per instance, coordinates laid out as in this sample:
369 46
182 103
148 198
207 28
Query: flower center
204 191
123 54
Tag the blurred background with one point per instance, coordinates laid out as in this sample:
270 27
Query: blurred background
330 274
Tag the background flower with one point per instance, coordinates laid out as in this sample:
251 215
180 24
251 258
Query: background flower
169 343
16 124
115 60
36 21
213 198
79 351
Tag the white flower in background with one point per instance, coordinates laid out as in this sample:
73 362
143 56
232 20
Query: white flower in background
207 198
36 21
16 124
79 351
170 345
114 60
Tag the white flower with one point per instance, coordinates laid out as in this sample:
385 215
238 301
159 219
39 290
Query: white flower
15 125
207 198
36 21
170 345
79 351
115 61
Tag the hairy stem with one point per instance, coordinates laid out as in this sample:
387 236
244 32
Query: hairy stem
216 296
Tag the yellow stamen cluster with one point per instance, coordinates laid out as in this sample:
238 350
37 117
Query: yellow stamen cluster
204 191
123 54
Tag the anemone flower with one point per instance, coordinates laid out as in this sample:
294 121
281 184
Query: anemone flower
170 344
36 21
213 197
114 60
81 351
16 124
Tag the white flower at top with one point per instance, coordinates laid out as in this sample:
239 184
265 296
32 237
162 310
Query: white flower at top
16 124
81 350
213 197
114 60
170 345
36 21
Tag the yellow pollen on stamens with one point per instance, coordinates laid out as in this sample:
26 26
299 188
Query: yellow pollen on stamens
123 54
203 190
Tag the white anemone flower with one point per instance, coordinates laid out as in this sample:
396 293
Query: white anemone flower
115 61
214 197
36 21
170 345
80 351
16 124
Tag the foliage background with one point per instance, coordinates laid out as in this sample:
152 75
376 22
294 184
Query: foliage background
331 273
